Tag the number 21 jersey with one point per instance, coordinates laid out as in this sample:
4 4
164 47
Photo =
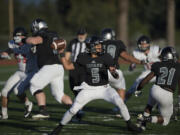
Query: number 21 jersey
168 74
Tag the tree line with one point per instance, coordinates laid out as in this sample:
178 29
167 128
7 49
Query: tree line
67 16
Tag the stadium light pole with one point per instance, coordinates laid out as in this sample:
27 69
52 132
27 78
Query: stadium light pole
11 18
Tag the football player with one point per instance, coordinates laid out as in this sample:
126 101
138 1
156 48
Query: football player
26 68
116 49
51 71
147 52
95 86
167 74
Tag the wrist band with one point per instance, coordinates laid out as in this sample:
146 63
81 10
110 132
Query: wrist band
62 54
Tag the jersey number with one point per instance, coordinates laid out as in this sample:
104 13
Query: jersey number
95 75
111 49
166 74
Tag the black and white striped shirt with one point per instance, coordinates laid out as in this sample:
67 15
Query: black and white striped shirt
75 47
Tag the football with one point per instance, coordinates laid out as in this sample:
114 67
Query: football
58 44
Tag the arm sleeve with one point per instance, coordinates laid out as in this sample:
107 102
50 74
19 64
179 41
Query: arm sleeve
22 49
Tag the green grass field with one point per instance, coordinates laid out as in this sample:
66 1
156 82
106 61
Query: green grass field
98 120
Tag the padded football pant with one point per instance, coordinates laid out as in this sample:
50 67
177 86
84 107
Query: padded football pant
90 93
49 74
164 99
12 83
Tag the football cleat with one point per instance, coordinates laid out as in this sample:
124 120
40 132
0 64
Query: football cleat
3 117
143 118
57 130
140 117
137 93
134 128
43 114
28 110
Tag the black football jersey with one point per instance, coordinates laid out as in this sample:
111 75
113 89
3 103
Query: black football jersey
75 47
95 69
114 48
167 74
45 54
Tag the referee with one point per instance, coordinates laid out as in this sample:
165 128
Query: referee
76 46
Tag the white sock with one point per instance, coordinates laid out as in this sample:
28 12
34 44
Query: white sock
67 117
154 119
27 102
146 114
4 111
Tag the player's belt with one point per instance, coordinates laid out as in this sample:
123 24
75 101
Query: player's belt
168 89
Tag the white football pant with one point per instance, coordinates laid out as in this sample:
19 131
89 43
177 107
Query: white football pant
49 74
164 99
90 93
12 82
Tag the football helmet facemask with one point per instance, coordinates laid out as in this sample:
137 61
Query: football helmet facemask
108 34
91 45
38 25
143 43
18 33
168 53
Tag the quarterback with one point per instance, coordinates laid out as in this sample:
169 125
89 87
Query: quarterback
95 85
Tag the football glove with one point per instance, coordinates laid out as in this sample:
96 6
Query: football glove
11 44
137 93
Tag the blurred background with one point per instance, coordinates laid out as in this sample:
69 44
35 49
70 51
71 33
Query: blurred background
129 18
